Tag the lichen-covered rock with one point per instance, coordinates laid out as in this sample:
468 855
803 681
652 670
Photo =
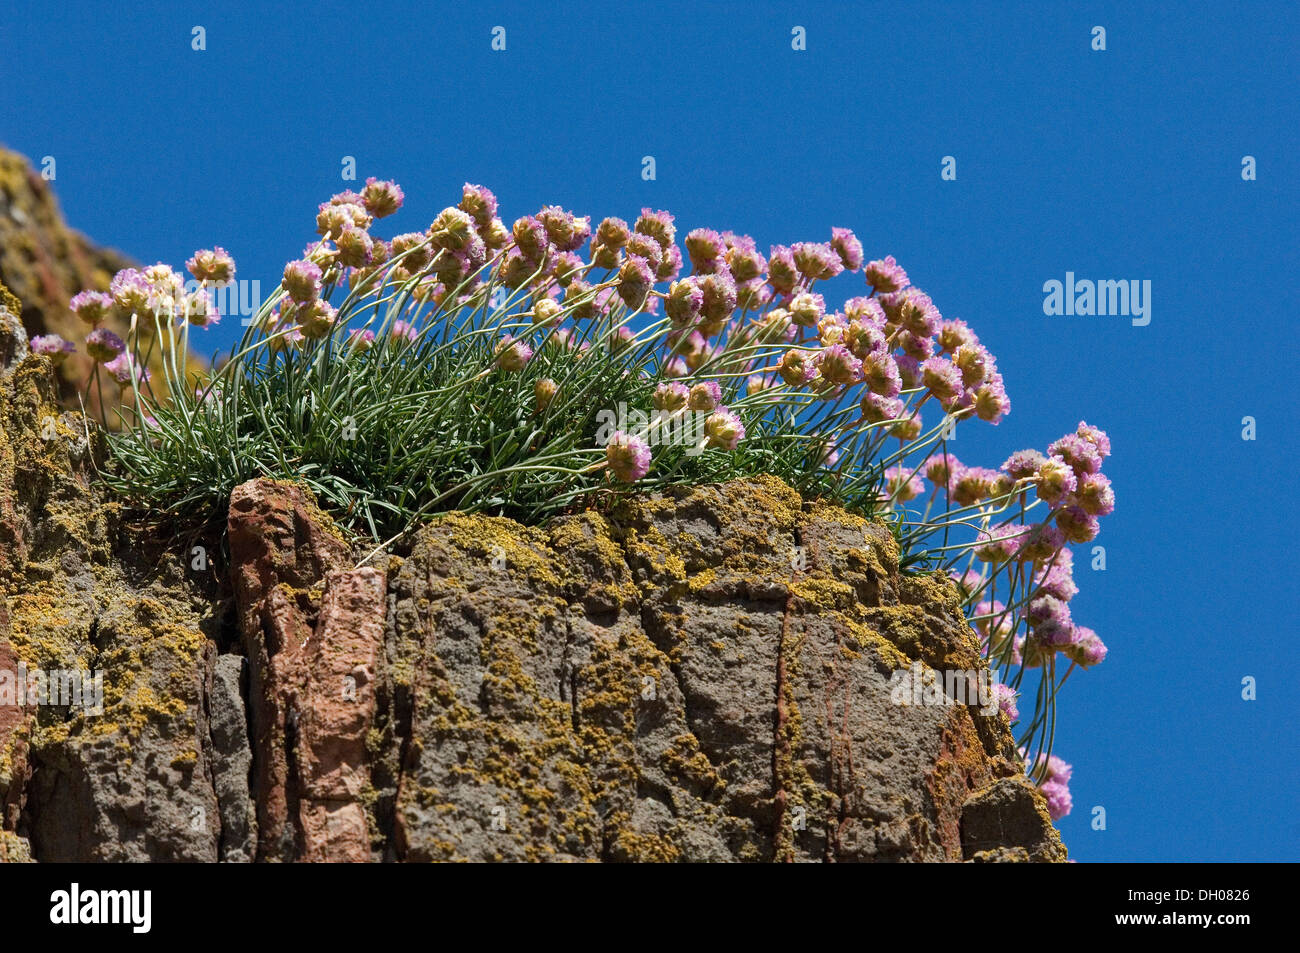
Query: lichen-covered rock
1008 820
81 590
82 593
706 675
701 675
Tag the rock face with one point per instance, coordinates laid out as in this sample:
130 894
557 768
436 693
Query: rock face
698 676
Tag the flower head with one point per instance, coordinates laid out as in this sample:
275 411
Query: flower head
685 301
903 484
1055 480
635 278
837 365
671 396
1086 648
130 291
628 457
705 396
544 392
92 306
1094 495
212 264
816 260
705 248
381 198
103 345
125 372
478 203
511 355
724 429
658 225
53 347
886 275
302 281
403 331
847 246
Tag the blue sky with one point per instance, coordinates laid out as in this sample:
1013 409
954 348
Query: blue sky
1122 164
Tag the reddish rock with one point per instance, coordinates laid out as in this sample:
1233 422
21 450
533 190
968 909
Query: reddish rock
335 713
308 626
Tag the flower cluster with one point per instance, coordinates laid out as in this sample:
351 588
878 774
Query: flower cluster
518 332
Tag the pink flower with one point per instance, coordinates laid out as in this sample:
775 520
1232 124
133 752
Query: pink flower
403 330
745 261
1023 464
658 225
1055 480
719 297
953 333
848 247
878 409
685 301
382 199
1005 698
361 339
671 396
213 264
564 230
991 401
1094 495
837 366
885 275
91 306
705 248
1086 649
1078 452
795 368
302 281
53 347
724 429
1078 525
613 233
902 484
1057 579
1095 436
131 291
635 279
942 378
816 260
782 274
479 203
628 457
1059 802
103 345
124 370
512 355
705 396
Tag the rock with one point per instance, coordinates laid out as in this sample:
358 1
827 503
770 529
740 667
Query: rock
706 674
83 592
664 685
1009 817
232 759
313 634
